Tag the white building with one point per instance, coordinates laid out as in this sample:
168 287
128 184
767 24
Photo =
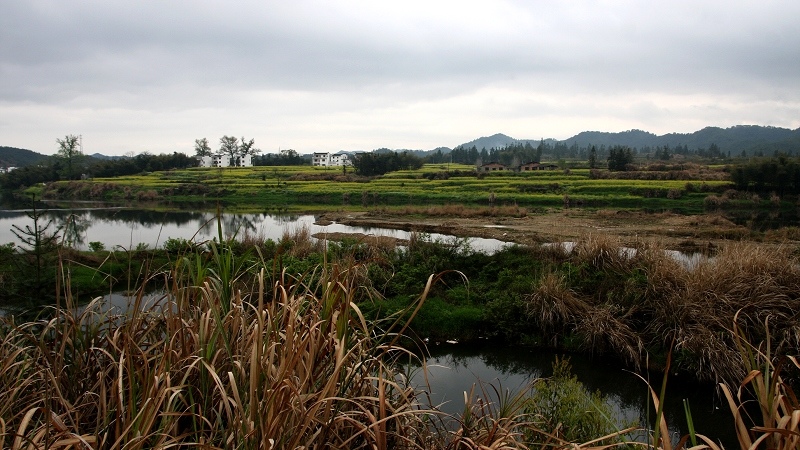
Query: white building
225 160
324 159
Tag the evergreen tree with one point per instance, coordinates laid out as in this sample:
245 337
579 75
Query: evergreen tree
593 158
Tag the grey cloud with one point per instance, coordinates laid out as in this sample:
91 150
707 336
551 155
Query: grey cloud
173 56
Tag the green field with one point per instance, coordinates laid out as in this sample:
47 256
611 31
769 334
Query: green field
308 188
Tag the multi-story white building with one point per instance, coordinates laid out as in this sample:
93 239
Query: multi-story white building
325 159
225 160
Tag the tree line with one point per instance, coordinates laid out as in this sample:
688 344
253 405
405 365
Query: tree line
70 163
379 163
779 174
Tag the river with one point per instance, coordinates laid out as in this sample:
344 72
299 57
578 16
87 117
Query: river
130 227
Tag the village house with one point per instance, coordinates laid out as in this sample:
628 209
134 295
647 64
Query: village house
527 167
224 160
324 159
530 166
491 167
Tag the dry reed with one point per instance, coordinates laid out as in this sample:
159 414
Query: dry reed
283 368
293 365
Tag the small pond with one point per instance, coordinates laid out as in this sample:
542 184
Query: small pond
455 368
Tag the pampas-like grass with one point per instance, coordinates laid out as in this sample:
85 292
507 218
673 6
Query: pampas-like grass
286 366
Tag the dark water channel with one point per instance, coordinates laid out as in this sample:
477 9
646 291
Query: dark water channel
455 368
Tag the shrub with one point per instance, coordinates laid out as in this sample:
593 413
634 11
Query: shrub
715 201
176 246
569 410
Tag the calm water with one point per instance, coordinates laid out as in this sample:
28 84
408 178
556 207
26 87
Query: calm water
127 228
453 369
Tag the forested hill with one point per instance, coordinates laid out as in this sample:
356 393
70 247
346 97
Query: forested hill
500 140
751 139
18 157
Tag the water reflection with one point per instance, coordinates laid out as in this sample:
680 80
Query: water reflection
128 228
688 260
454 369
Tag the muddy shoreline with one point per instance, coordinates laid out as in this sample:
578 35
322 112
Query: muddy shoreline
631 228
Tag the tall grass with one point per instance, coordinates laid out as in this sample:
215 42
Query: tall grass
289 364
636 302
289 361
285 366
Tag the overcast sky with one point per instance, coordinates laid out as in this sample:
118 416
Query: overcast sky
134 76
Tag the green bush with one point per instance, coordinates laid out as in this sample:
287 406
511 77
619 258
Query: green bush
569 410
178 246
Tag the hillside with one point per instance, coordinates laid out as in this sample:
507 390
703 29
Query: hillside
18 157
751 139
500 140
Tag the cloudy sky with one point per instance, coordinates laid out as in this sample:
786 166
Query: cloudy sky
134 76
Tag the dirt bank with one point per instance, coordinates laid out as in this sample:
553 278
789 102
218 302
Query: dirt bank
631 228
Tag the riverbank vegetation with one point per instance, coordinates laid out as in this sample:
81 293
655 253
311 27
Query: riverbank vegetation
257 343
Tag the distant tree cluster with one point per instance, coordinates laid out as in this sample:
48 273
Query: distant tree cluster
780 175
143 162
69 163
514 154
48 170
619 157
375 163
286 157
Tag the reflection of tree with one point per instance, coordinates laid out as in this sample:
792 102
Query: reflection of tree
74 228
286 219
237 224
148 217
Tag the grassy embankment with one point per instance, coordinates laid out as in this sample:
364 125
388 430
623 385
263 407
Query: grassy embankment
306 187
248 351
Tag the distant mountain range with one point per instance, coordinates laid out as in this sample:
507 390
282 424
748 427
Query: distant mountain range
751 139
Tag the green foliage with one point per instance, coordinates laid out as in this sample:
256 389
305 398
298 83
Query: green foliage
96 246
572 412
619 157
39 246
69 149
375 163
178 246
286 157
780 175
